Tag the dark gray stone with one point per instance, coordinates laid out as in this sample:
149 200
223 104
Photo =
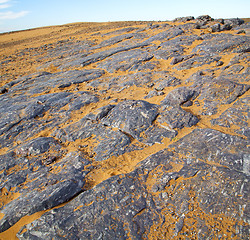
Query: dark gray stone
45 189
156 134
129 60
220 91
183 19
113 40
83 99
226 26
112 143
176 60
37 146
223 43
90 222
178 96
175 47
195 60
234 21
219 63
236 117
20 115
198 190
184 40
169 52
123 30
176 117
166 35
103 111
216 147
3 90
153 93
241 31
204 18
167 82
216 27
132 117
95 57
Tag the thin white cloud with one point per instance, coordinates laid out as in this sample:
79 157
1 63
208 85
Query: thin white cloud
7 15
4 1
2 6
12 15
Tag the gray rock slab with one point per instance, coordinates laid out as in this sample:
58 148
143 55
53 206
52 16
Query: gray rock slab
129 60
124 206
166 35
176 117
132 117
37 146
223 43
95 57
178 96
215 147
111 143
220 91
113 40
193 61
236 117
22 114
46 187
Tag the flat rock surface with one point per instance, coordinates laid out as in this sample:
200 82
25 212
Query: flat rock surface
126 130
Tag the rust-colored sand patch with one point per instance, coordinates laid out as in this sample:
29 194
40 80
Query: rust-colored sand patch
7 196
128 161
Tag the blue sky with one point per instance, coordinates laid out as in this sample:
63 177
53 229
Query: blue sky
25 14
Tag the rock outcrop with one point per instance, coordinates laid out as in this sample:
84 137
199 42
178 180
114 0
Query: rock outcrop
126 131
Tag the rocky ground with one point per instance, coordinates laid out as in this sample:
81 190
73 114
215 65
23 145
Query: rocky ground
126 130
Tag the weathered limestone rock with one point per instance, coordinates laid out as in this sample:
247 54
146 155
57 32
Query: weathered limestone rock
43 188
129 60
204 185
223 43
132 117
139 129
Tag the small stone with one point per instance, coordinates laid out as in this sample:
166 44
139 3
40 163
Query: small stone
65 85
176 60
49 160
241 31
216 27
183 19
219 63
225 27
179 225
3 90
150 85
204 18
